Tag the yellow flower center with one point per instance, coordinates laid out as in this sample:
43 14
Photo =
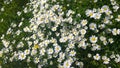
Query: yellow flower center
93 39
36 46
91 14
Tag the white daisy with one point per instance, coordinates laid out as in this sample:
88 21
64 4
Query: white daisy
72 53
105 60
50 51
96 57
111 40
97 16
27 51
105 8
67 64
83 31
36 60
84 22
93 39
5 43
42 51
90 13
22 56
92 26
114 31
57 49
71 45
118 18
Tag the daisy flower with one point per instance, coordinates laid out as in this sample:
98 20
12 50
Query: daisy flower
92 26
22 56
93 39
96 57
84 22
67 64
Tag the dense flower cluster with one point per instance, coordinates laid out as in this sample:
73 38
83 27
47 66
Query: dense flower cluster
54 37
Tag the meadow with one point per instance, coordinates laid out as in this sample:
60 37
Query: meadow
59 33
